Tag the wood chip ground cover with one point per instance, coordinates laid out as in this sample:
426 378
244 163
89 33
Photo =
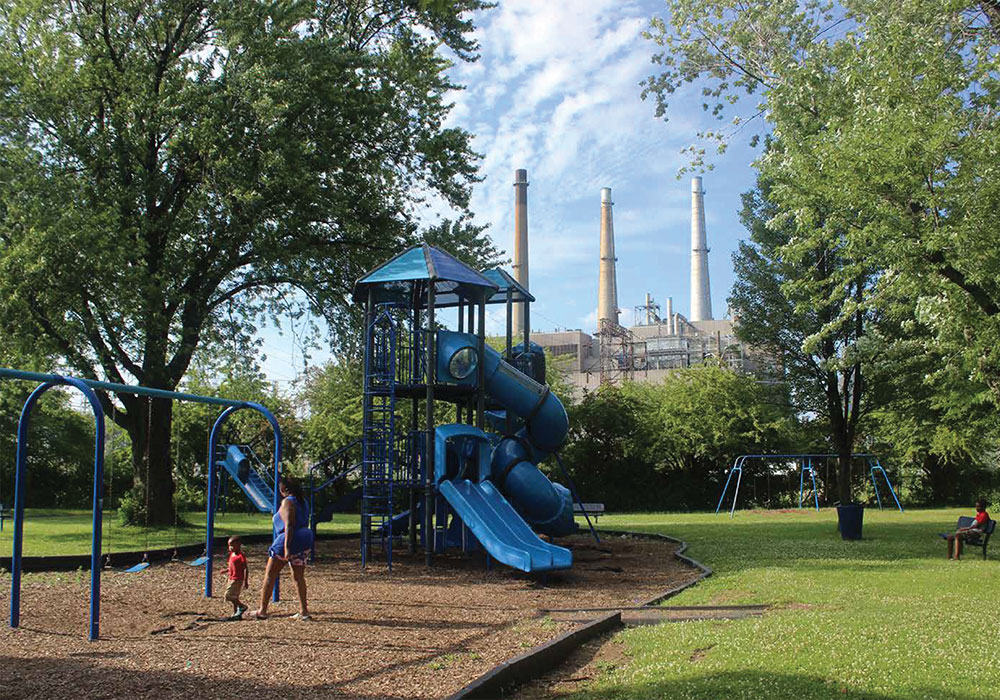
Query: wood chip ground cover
409 633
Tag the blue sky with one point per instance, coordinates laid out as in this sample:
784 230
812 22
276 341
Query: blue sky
556 91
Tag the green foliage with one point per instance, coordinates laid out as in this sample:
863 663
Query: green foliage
193 423
881 156
466 241
933 417
802 297
173 175
882 114
333 397
132 510
60 465
668 445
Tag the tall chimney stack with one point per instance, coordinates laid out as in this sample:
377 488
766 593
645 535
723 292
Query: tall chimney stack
670 315
607 283
520 244
701 298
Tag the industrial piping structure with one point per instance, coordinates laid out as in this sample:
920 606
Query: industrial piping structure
701 298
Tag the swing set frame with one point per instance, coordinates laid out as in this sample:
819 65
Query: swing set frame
805 462
87 387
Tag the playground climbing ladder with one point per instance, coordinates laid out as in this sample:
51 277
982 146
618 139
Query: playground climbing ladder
378 458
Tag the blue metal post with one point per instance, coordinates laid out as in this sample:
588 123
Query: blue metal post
724 489
812 475
737 469
871 473
98 501
806 465
802 477
875 464
736 494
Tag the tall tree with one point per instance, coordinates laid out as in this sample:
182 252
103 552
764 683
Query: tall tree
802 301
171 171
885 110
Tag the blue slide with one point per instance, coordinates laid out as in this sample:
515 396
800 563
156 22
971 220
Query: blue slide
512 498
501 531
246 477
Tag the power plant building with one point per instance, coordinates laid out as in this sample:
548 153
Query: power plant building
658 342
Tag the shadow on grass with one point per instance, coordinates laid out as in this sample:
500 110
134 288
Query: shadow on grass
748 684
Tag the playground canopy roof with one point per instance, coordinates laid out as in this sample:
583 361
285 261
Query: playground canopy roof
503 281
398 278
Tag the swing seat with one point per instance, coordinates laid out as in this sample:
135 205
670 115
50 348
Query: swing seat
200 561
137 568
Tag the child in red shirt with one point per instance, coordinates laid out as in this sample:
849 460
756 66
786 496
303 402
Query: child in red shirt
970 533
239 577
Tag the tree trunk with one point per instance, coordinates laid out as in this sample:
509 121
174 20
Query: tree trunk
153 472
844 462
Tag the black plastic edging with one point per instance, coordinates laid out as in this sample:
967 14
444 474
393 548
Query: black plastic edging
532 664
508 675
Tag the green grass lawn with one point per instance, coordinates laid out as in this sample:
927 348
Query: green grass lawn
885 617
51 532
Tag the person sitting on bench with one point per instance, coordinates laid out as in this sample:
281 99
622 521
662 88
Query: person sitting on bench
971 533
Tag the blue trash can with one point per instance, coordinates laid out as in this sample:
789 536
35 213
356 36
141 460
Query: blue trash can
850 518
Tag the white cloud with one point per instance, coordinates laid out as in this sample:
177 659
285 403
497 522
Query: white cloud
557 92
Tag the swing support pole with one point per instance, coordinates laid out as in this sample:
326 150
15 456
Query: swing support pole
213 442
93 631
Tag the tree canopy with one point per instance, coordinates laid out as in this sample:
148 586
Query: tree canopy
882 134
173 171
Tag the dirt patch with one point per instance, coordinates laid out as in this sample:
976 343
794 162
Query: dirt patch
699 654
411 632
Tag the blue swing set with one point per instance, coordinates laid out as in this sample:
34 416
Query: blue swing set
86 387
805 465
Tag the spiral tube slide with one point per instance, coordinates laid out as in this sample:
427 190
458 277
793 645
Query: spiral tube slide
546 505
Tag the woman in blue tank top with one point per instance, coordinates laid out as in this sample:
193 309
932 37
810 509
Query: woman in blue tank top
293 538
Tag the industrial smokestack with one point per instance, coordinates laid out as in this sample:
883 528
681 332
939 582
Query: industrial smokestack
670 315
607 283
701 298
520 244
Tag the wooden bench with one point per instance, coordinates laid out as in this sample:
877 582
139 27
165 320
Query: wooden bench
594 510
982 540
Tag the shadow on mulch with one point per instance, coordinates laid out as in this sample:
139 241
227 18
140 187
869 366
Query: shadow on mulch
65 675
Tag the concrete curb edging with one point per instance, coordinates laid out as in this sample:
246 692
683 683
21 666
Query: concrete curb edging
508 675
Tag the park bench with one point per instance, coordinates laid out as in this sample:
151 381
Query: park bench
594 510
983 540
4 513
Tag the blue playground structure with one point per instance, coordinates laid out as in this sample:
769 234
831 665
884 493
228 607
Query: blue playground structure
454 485
805 465
87 387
